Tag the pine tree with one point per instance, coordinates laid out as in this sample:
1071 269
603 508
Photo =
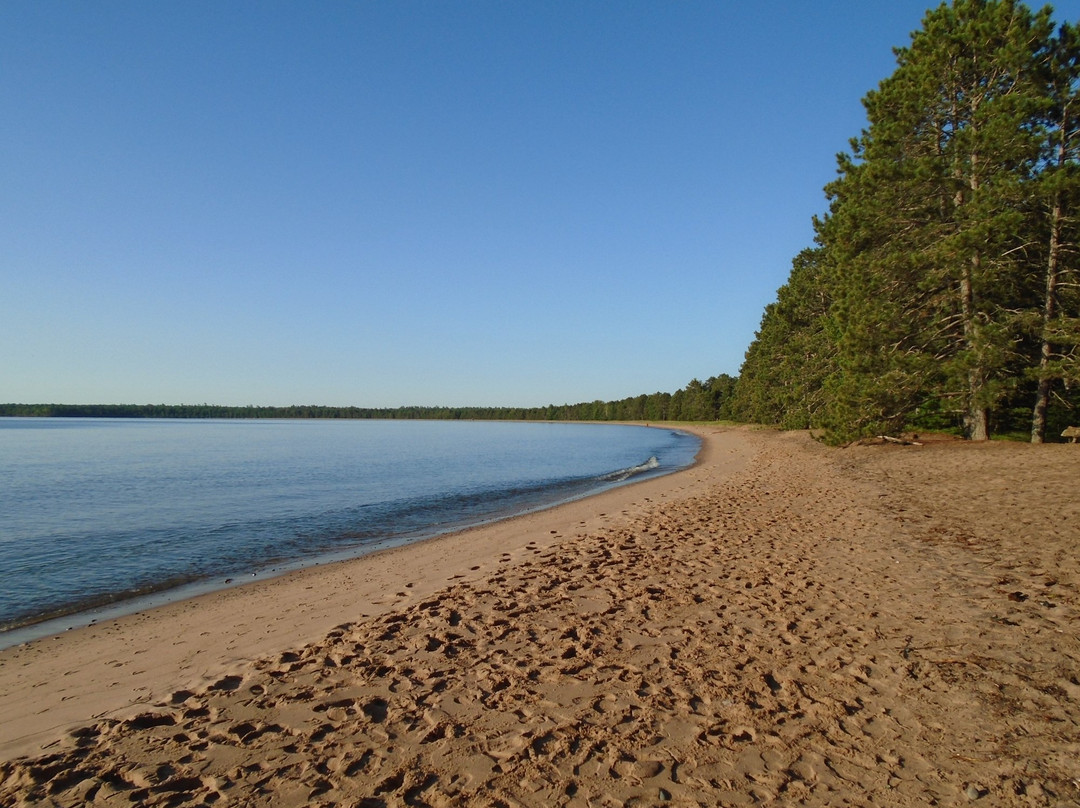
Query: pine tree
781 378
927 217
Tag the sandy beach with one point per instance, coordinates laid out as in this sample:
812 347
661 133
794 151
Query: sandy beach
783 622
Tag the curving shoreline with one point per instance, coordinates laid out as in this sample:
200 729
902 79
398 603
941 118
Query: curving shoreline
186 587
782 621
216 630
120 516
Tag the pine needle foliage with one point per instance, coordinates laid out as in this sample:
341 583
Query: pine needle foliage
944 287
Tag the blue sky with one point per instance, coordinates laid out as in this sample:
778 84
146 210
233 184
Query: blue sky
393 203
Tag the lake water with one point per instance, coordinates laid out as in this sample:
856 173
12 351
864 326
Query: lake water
105 511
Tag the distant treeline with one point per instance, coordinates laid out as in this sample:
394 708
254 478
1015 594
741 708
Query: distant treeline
698 401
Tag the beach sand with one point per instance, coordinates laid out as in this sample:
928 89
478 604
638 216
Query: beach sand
783 622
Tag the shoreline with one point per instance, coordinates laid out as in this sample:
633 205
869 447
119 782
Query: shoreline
218 630
111 609
782 623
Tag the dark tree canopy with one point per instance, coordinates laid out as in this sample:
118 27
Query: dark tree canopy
943 288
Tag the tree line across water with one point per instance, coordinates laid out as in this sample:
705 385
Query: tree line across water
943 290
698 401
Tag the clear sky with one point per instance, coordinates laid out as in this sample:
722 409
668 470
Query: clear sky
392 203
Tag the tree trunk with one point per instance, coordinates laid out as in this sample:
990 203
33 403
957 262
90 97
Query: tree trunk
977 418
977 422
1042 391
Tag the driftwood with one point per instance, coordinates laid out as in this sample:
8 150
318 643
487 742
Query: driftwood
901 441
881 440
1072 433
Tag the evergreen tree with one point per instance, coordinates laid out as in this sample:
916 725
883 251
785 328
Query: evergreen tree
945 282
927 221
782 376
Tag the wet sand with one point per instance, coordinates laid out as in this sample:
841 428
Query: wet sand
781 623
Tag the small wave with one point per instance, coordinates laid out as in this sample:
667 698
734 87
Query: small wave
626 474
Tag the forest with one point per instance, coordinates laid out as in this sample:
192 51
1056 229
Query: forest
942 291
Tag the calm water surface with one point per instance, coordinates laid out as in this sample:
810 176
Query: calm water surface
98 511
